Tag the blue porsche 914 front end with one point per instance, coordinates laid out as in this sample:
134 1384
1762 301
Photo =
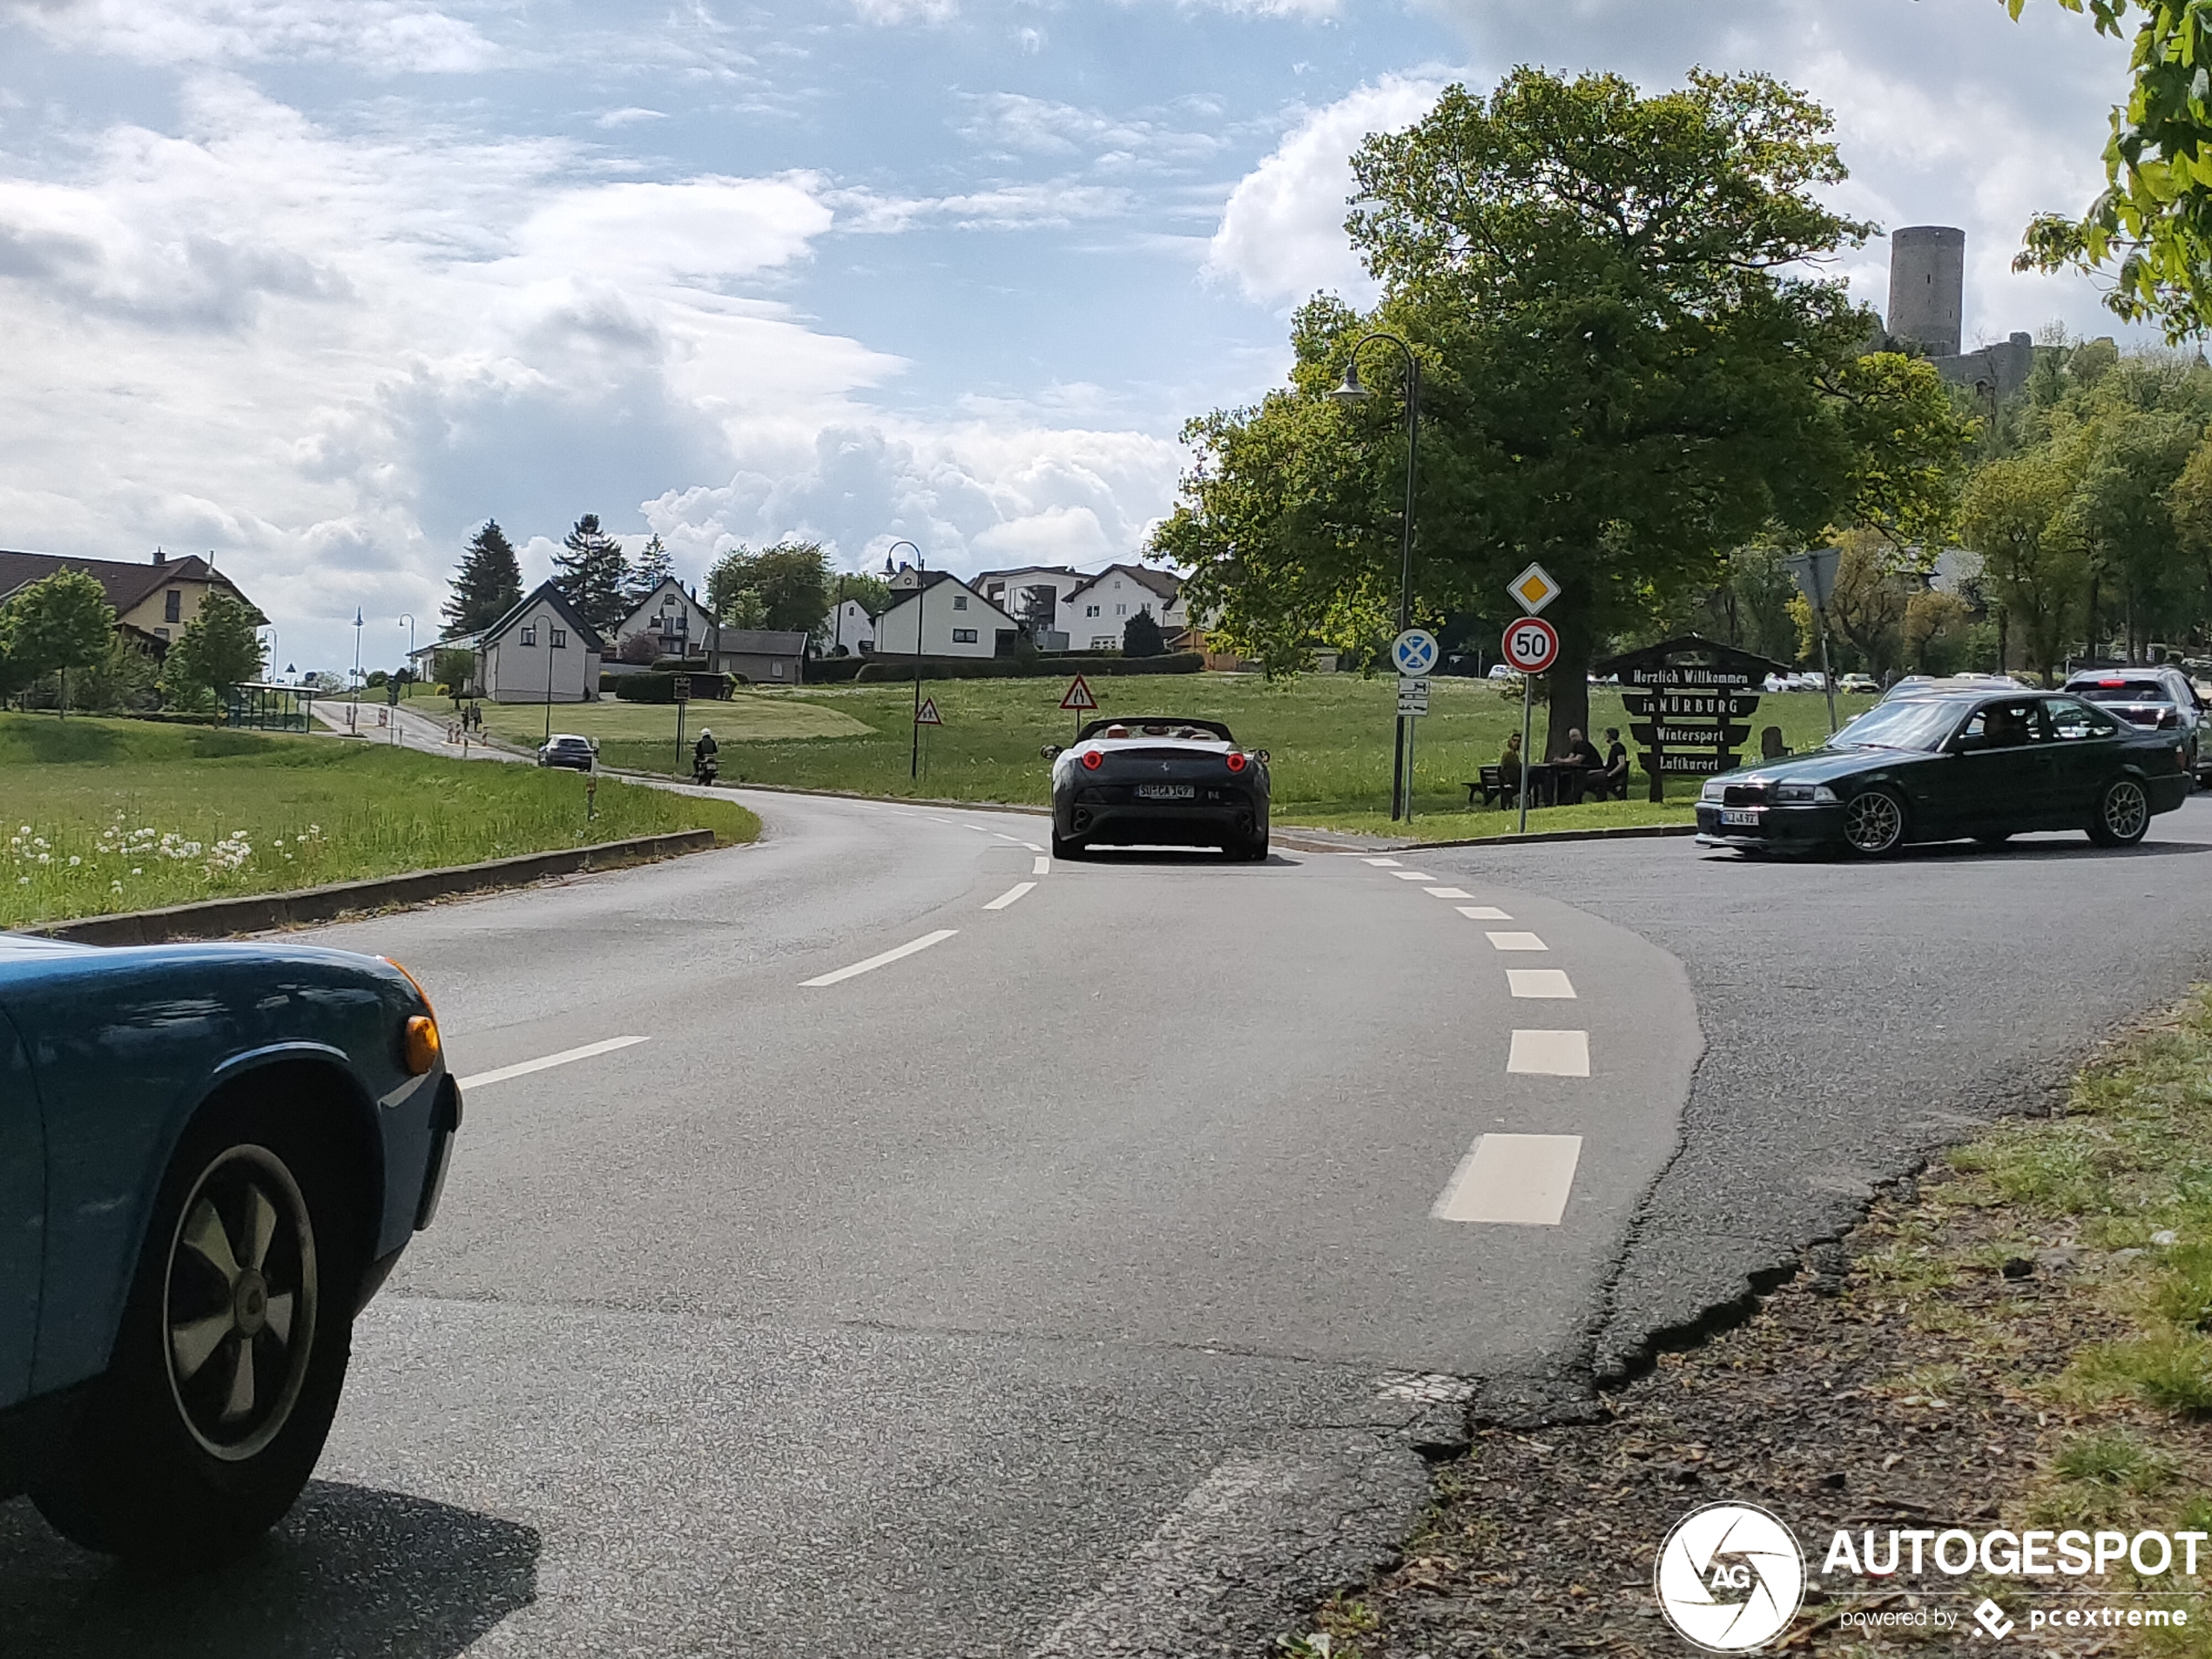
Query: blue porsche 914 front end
211 1157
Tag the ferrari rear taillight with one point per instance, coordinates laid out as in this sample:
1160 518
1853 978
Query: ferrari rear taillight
1091 758
1236 760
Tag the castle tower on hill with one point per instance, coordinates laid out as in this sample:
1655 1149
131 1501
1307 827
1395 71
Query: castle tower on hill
1928 288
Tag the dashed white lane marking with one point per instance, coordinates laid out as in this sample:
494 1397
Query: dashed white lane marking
1010 895
1550 1053
888 957
947 822
548 1062
1483 912
1381 864
1517 941
1004 836
1447 893
978 828
1540 982
1513 1180
1411 875
1033 848
1042 866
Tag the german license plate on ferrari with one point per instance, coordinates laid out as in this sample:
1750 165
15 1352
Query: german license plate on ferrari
1164 792
1748 818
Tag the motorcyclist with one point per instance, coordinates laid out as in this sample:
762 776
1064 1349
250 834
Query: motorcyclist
703 757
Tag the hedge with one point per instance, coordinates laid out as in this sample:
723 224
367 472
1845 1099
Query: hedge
834 670
661 688
1042 666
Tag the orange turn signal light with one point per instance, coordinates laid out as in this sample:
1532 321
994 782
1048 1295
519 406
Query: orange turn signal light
420 1045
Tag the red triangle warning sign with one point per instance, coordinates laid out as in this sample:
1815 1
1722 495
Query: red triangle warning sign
1079 696
928 714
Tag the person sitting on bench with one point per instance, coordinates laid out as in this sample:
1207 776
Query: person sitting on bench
1582 766
1509 763
1614 780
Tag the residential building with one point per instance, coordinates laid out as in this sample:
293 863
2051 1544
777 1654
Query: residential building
759 656
677 622
153 603
1096 612
943 615
542 650
1035 594
849 627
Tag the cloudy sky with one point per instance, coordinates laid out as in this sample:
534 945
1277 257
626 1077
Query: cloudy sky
320 285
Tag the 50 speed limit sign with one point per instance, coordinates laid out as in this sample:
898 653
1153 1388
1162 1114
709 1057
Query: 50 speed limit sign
1532 644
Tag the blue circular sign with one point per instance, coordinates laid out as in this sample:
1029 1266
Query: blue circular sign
1414 651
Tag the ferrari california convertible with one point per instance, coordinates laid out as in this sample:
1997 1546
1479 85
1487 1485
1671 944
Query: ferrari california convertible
1158 781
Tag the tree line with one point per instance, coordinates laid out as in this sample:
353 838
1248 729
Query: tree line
60 649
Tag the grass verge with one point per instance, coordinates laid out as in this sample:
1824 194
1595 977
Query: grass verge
1329 736
100 816
2020 1340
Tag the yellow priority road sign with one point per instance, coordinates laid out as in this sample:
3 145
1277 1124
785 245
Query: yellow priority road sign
1534 589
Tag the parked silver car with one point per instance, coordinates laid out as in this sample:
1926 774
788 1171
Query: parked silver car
2162 698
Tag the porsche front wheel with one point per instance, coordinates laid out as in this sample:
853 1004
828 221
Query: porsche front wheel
230 1354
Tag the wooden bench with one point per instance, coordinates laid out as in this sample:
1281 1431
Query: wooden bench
1491 785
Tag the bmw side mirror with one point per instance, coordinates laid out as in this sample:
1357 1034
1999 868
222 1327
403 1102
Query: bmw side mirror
1050 751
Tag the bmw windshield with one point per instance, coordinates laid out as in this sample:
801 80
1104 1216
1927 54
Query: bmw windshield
1913 725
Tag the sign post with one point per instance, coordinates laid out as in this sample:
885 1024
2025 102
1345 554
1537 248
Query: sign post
924 716
1816 574
1689 701
1415 653
1079 699
1531 646
683 689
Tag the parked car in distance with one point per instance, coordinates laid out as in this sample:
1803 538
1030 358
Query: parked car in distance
1923 685
2159 698
211 1157
1859 685
1946 764
1500 671
1158 780
566 749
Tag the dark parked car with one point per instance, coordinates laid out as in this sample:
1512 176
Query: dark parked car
1948 764
1158 780
210 1156
566 749
2162 698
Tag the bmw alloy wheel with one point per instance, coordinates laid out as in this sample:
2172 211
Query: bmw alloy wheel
238 1308
2124 811
1873 823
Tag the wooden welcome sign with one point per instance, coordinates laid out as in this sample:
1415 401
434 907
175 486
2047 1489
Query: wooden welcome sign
1690 703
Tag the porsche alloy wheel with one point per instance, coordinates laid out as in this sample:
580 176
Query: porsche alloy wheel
2123 814
240 1302
231 1354
1874 823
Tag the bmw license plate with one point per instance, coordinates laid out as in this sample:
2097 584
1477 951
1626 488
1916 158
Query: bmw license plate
1744 816
1164 792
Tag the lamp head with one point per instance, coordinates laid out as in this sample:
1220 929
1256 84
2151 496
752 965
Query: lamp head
1351 391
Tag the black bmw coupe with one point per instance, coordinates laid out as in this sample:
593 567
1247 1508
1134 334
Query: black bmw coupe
1953 763
1158 781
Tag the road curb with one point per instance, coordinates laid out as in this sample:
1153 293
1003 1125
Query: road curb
1397 843
721 784
260 913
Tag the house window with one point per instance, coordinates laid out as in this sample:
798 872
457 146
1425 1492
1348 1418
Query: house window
560 639
530 633
172 605
963 636
1090 611
1103 642
1120 610
959 602
777 669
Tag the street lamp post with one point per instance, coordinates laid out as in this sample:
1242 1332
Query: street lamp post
1352 391
353 711
921 598
408 618
548 679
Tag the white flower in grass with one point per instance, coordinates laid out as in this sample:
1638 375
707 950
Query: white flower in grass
23 880
74 860
115 887
136 871
45 858
25 830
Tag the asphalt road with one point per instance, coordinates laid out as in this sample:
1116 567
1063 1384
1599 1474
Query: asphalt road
1083 1280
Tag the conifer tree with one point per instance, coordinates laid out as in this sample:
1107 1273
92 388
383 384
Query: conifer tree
488 583
592 575
652 567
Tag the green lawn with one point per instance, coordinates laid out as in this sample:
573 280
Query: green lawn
101 815
1329 736
642 736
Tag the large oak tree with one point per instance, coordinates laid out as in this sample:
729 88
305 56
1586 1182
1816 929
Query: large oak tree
1630 365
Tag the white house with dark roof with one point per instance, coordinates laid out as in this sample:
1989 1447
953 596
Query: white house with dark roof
1094 613
540 651
943 615
677 622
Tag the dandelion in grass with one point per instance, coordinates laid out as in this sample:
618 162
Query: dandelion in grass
74 860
